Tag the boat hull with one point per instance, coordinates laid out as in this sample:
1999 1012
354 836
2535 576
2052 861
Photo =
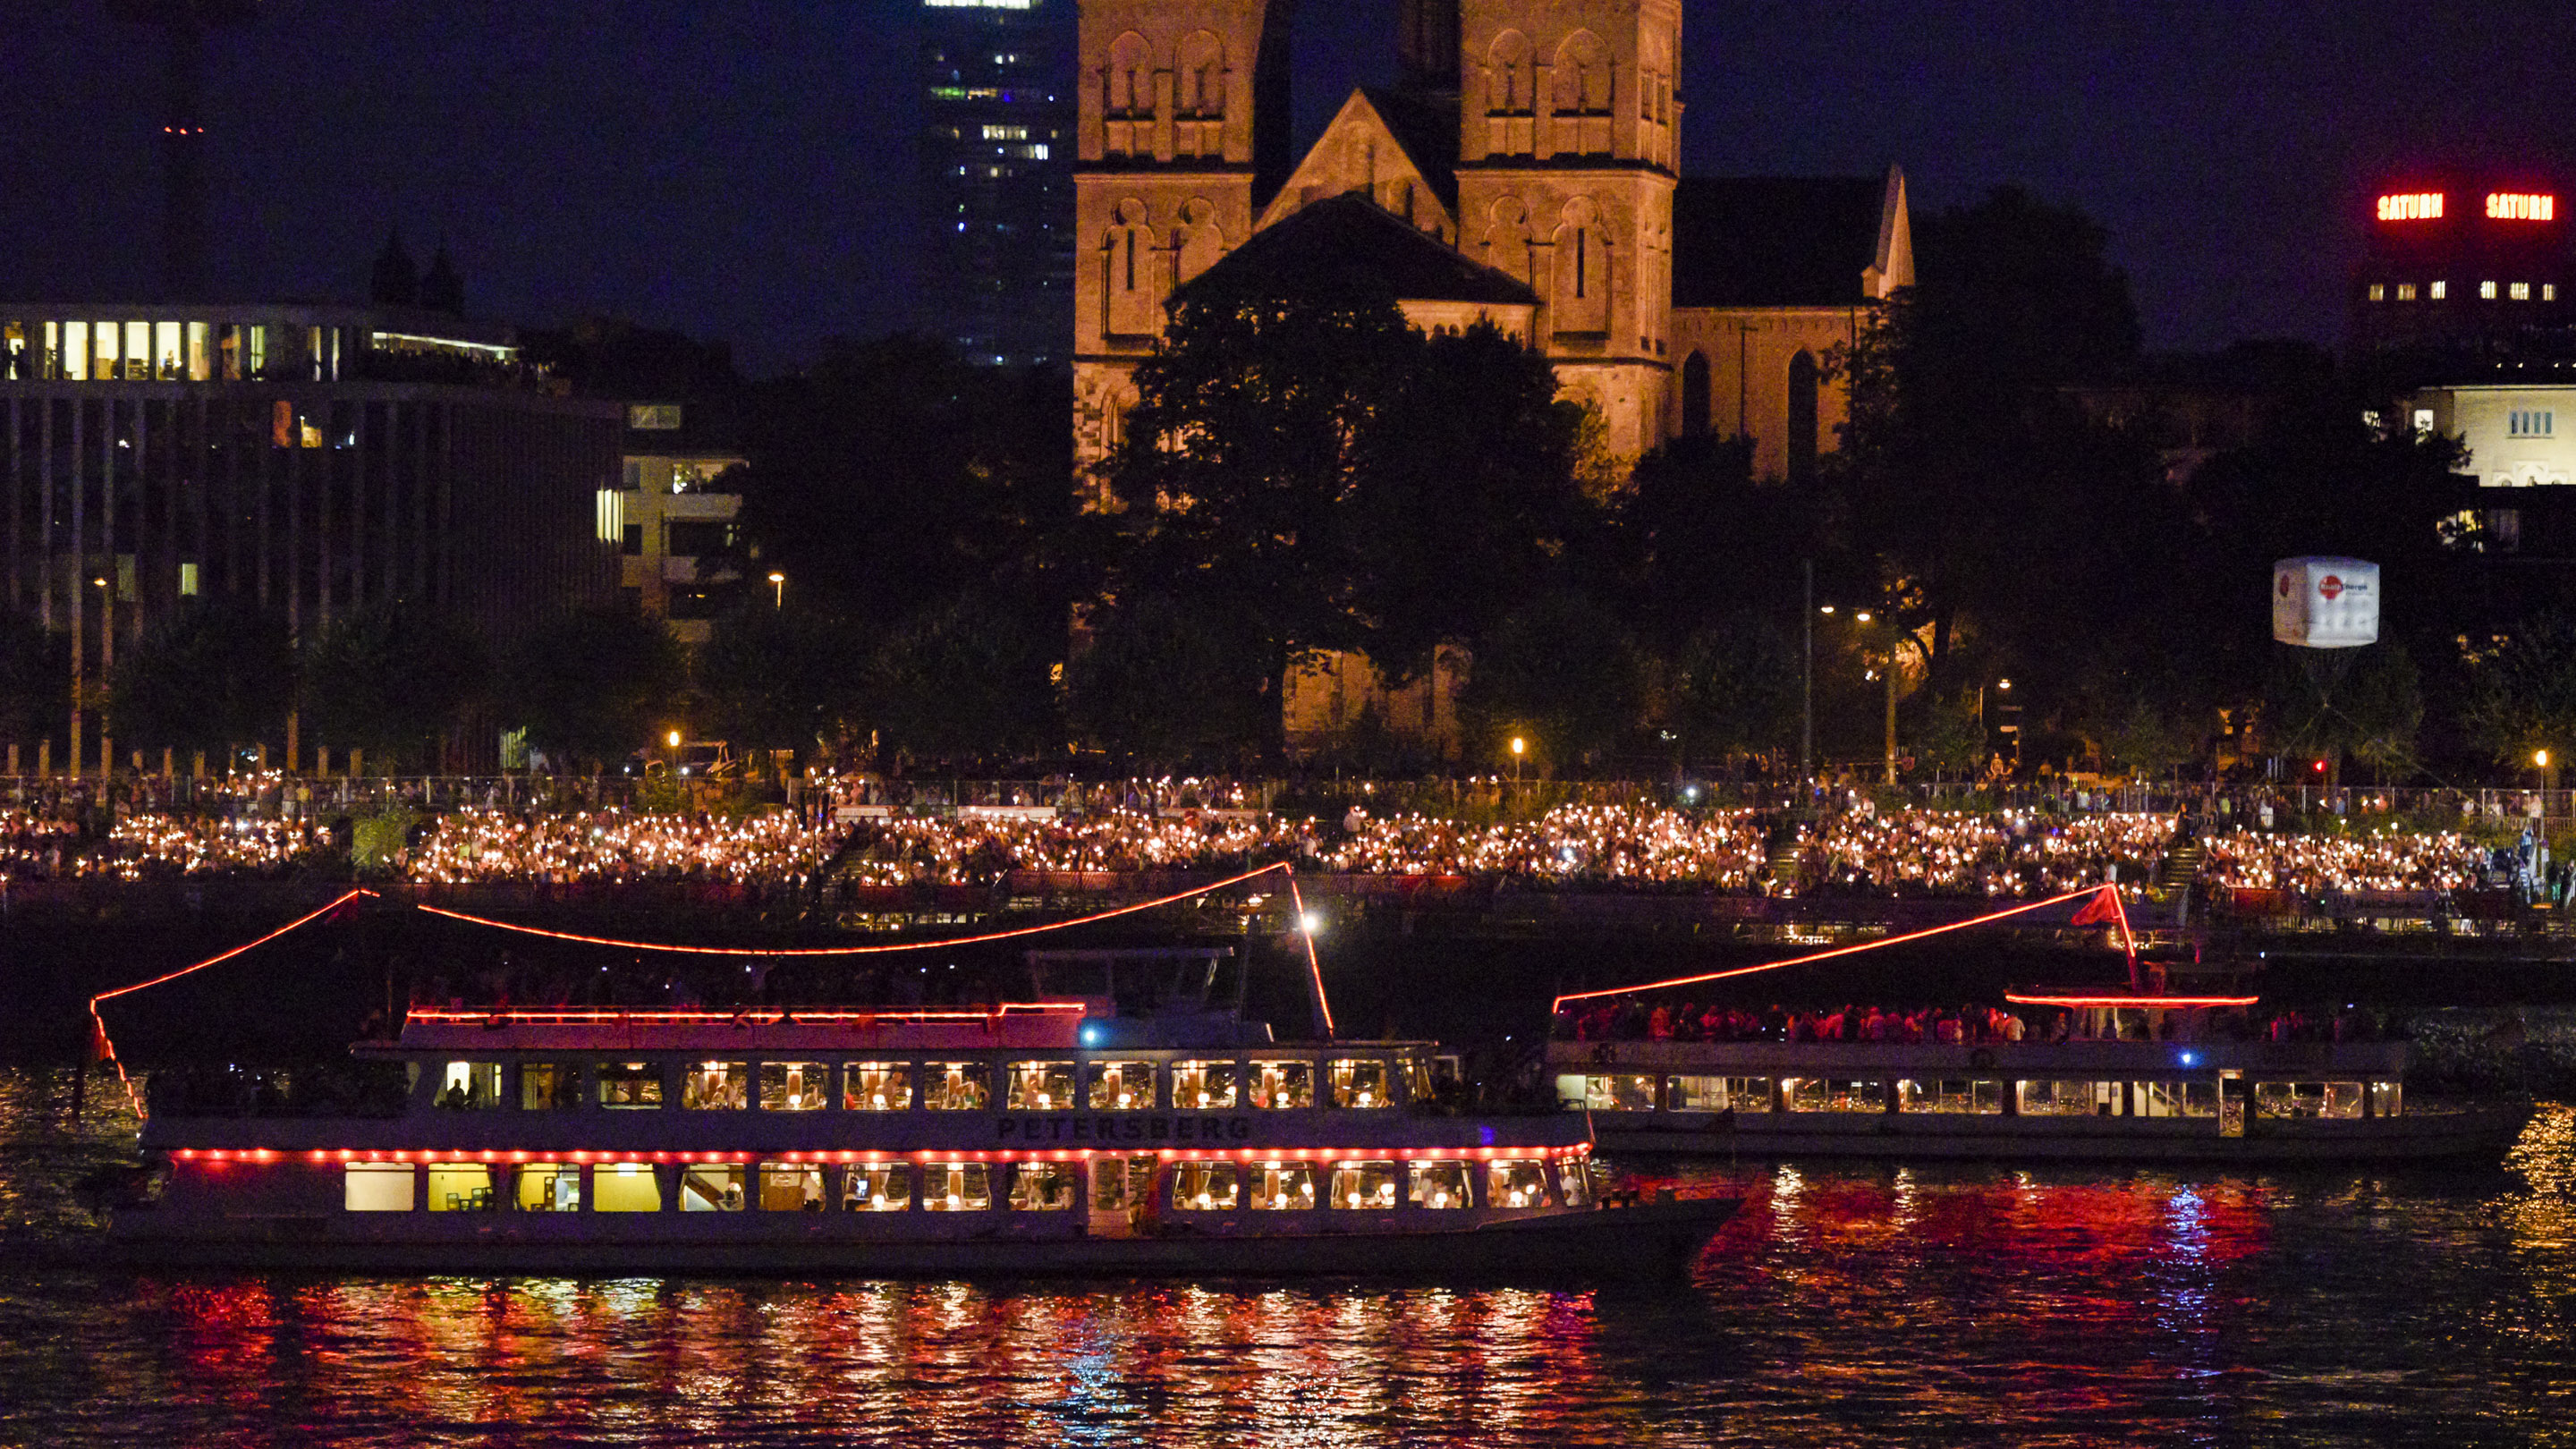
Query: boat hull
2481 1134
1646 1241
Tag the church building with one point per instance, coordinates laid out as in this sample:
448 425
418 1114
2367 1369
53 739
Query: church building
1525 170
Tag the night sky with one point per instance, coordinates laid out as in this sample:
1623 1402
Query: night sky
739 168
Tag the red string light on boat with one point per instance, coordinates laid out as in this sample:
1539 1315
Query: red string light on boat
1986 919
1314 968
551 1157
765 1016
106 1048
858 950
2079 1003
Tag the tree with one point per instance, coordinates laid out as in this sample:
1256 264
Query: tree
783 678
2364 702
1734 689
590 684
216 674
2522 692
35 678
970 678
1160 682
391 678
1562 668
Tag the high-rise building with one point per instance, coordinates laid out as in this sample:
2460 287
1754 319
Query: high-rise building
2469 265
997 184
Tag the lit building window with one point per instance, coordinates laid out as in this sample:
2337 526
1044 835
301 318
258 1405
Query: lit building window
2530 423
2379 291
2487 290
2406 291
2520 291
2438 290
2549 291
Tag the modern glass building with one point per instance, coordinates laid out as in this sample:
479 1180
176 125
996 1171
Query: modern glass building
997 177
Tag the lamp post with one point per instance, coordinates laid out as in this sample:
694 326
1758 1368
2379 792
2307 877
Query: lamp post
1807 678
1519 747
778 587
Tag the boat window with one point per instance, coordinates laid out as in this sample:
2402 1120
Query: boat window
376 1187
711 1187
2307 1099
2071 1099
1202 1084
1357 1082
1833 1094
1574 1181
1282 1186
1418 1086
716 1086
1118 1184
1039 1087
1283 1086
1363 1184
2387 1099
955 1187
1440 1184
630 1084
791 1187
549 1187
2177 1099
795 1086
1971 1097
1041 1187
1205 1187
1719 1094
1121 1086
625 1187
881 1187
1617 1093
549 1087
470 1086
877 1086
460 1187
956 1086
1515 1184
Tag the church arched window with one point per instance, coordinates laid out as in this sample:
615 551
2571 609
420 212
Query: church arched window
1201 241
1695 398
1131 76
1582 76
1201 80
1507 242
1132 269
1582 282
1802 417
1511 86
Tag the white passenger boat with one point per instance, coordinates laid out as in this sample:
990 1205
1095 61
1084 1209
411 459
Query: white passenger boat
2137 1078
1056 1137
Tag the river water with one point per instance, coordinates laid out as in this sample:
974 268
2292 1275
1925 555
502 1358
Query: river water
1848 1304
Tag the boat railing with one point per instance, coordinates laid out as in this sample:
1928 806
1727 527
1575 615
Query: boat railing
338 1089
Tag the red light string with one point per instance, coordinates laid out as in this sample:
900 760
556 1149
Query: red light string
860 950
2081 1002
106 1048
1314 968
1851 950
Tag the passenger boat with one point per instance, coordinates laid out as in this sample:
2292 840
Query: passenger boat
1049 1137
2135 1078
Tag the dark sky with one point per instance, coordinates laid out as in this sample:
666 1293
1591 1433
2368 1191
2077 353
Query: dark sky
738 168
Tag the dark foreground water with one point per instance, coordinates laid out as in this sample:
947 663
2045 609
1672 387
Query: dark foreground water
1850 1304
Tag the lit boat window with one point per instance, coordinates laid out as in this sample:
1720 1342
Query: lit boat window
1120 1184
548 1187
1039 1087
376 1187
2177 1099
876 1086
1202 1084
1968 1097
1437 1184
2307 1099
2387 1099
1121 1086
955 1187
716 1086
1205 1187
625 1187
631 1085
791 1187
1719 1094
2061 1098
470 1086
460 1187
1613 1092
712 1187
1042 1187
549 1087
1282 1186
1358 1082
956 1087
1283 1086
877 1187
1574 1181
1363 1185
1510 1184
795 1086
1833 1094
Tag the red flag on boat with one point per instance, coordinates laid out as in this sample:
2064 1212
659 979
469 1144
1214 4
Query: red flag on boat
2104 907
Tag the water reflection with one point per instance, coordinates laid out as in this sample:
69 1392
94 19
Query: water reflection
1850 1303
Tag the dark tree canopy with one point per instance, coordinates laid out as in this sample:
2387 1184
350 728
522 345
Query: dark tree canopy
391 678
218 673
782 678
35 678
592 684
1161 683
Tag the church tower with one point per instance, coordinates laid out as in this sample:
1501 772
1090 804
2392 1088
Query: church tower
1181 137
1568 150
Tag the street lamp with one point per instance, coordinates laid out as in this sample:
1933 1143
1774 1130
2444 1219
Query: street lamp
778 583
1519 747
672 739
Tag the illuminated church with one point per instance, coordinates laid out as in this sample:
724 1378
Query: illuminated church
1525 170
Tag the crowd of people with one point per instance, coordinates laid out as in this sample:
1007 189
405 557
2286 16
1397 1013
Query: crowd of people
1857 850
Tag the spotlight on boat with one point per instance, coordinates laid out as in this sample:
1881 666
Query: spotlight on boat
1093 1034
1310 923
2191 1059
